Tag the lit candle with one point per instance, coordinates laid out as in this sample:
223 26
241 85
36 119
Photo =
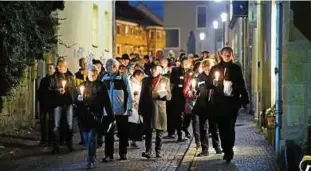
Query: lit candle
82 90
64 83
193 83
217 75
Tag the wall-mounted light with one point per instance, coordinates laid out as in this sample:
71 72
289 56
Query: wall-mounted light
202 36
215 24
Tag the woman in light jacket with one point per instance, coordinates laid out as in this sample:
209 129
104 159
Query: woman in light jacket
135 119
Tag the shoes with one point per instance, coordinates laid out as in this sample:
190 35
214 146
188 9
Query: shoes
81 143
228 156
90 165
134 145
198 146
179 139
158 156
107 159
218 150
203 154
123 157
188 135
170 137
146 155
55 149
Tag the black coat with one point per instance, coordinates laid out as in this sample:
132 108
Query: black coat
95 99
70 89
234 74
44 95
177 82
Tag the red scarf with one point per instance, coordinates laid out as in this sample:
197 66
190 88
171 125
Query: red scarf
155 81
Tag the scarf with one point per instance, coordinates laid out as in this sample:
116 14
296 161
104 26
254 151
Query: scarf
155 81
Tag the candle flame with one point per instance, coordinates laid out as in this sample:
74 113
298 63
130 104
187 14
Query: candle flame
217 74
64 83
82 90
193 83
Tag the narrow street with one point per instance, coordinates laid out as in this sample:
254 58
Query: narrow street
252 153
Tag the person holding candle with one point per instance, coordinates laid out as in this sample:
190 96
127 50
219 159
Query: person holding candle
154 94
230 93
205 110
94 97
80 77
64 93
190 94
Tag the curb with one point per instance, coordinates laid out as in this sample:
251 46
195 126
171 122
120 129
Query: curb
188 158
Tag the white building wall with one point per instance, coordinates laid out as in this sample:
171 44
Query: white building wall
76 30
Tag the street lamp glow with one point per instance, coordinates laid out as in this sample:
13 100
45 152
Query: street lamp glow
217 0
224 17
215 24
202 36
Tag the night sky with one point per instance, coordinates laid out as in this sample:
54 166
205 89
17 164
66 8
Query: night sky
155 6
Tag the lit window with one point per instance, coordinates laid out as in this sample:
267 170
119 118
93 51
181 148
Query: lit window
118 29
151 34
95 25
201 16
126 30
158 35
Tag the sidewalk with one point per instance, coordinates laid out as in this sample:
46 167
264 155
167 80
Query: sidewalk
252 152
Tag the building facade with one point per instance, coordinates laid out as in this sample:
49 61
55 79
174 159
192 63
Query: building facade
136 32
198 19
86 29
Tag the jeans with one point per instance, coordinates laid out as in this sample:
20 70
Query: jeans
158 144
67 110
90 138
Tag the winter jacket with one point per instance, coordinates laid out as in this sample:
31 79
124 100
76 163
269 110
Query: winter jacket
70 89
44 94
119 93
95 98
232 73
80 77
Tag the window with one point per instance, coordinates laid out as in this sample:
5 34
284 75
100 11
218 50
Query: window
118 29
201 16
172 38
107 31
158 35
118 49
151 35
131 30
126 30
95 26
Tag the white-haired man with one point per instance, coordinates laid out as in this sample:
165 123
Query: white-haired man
121 101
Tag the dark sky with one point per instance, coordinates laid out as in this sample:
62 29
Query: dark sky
155 6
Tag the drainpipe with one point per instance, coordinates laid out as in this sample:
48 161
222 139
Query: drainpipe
278 73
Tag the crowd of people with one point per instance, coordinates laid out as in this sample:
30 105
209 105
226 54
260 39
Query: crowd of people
133 97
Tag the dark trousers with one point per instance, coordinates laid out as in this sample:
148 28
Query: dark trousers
213 129
226 125
170 119
46 125
203 123
158 144
195 126
122 126
79 112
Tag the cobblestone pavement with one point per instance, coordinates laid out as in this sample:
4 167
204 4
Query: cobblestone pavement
252 152
173 153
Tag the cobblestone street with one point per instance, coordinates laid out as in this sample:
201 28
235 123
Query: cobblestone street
252 152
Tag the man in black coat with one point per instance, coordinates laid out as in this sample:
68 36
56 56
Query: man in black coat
230 93
178 99
45 107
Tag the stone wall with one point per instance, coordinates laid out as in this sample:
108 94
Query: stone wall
296 79
18 111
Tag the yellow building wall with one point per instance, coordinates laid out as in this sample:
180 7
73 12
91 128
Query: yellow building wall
133 38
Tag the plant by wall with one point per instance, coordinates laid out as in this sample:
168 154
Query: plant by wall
27 30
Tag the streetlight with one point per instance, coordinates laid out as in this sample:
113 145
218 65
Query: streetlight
215 25
202 37
223 17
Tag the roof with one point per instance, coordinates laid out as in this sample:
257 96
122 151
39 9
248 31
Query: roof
124 11
145 9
